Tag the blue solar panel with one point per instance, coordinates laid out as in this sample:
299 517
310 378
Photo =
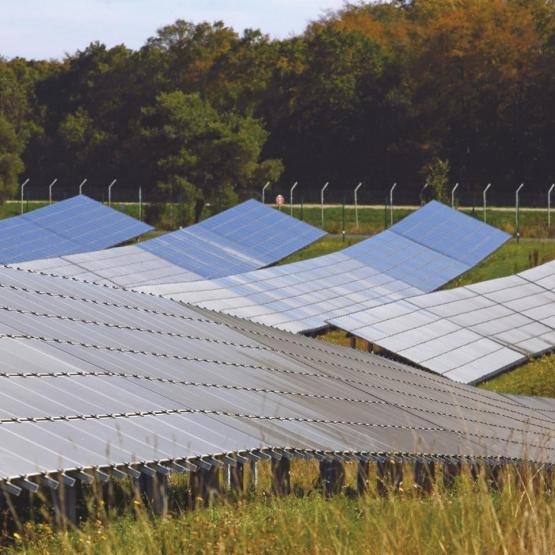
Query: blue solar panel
248 236
75 225
423 252
451 233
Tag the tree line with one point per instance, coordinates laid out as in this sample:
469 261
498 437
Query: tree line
378 92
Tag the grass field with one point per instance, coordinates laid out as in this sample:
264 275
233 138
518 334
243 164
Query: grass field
466 519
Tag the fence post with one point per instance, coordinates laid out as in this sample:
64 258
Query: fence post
391 203
485 200
322 200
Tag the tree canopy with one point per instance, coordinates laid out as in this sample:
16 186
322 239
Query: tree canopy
375 92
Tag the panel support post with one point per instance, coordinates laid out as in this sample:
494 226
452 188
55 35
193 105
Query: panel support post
281 476
424 476
64 501
389 477
155 489
332 476
204 486
353 342
236 477
450 473
253 476
363 469
494 477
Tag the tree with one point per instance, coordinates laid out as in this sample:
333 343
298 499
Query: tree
437 178
10 162
198 153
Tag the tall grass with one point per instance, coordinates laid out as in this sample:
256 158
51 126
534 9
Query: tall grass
468 518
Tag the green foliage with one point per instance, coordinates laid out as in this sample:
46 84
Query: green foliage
10 162
437 178
201 154
373 92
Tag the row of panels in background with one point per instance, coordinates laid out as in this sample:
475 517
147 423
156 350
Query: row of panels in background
96 378
247 236
419 254
78 224
469 333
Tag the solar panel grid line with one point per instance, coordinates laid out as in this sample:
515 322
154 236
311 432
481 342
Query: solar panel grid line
407 369
196 250
185 411
63 226
234 388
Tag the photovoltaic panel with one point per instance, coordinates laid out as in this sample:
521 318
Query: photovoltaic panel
247 236
424 251
469 333
95 378
75 225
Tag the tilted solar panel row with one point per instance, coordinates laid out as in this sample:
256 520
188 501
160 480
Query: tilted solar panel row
75 225
95 377
424 251
248 236
469 333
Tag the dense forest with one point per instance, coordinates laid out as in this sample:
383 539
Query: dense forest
405 91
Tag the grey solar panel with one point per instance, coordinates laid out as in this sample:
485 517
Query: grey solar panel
94 376
469 333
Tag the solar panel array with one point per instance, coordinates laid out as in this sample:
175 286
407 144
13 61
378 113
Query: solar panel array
247 236
470 333
419 254
94 377
75 225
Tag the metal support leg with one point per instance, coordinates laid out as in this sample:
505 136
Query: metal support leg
389 477
64 501
332 476
363 469
494 477
253 476
205 486
155 489
353 342
424 476
236 476
450 473
281 476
